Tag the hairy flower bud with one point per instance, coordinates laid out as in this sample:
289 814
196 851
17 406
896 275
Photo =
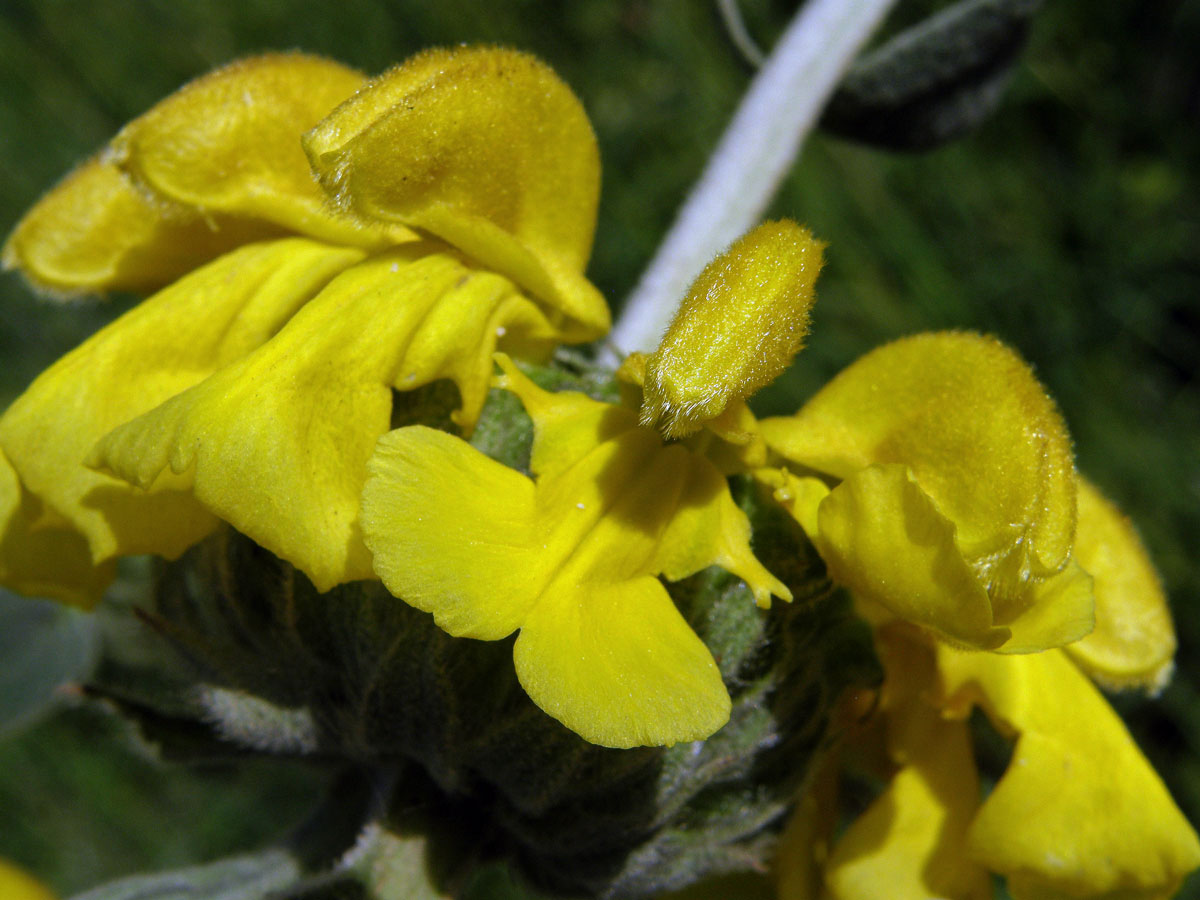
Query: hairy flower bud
738 328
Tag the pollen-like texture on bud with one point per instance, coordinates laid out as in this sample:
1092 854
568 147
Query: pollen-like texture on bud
738 328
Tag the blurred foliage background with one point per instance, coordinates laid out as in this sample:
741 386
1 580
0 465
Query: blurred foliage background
1068 225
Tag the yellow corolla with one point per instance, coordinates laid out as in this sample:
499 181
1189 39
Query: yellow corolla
570 558
1078 812
740 325
39 555
326 240
936 479
911 841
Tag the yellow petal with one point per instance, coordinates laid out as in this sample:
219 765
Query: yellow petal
527 540
277 442
96 231
1134 641
161 347
739 327
658 509
45 561
709 529
230 142
909 843
616 663
883 538
602 648
1057 611
457 337
800 495
738 425
436 510
567 425
1079 812
803 847
489 150
989 494
632 370
17 885
966 415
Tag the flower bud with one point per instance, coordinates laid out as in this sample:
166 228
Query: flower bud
738 328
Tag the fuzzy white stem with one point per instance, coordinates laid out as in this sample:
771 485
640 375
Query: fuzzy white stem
754 155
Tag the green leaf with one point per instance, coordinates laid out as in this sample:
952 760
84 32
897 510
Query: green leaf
44 645
935 81
238 878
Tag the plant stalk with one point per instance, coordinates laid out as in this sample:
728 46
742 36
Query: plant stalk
752 158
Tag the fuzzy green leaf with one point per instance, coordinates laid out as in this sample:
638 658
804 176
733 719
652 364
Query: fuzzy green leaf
935 81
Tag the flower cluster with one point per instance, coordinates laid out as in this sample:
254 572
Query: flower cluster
309 275
320 242
936 480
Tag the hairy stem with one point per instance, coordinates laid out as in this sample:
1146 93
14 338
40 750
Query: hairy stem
754 155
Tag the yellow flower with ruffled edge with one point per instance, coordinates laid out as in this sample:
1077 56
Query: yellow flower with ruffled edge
570 557
325 240
935 447
953 492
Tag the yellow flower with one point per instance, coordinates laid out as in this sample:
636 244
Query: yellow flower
953 498
441 211
1079 812
570 557
911 841
952 519
1104 822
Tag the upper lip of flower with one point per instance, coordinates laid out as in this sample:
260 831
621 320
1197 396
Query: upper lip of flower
954 495
220 163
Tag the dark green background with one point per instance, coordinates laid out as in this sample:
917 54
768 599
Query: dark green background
1068 225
